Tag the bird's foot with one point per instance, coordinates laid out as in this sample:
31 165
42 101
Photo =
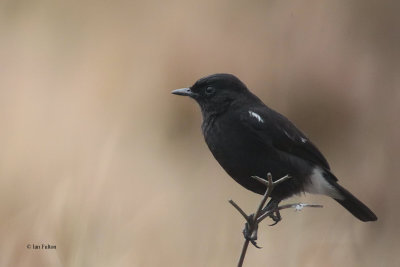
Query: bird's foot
250 232
272 211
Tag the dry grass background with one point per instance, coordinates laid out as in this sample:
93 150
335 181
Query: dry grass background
100 160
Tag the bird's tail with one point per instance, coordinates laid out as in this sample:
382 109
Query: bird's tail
354 206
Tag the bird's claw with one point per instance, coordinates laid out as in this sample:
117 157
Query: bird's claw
276 217
254 243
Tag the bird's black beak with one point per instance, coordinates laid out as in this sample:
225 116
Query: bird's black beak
183 91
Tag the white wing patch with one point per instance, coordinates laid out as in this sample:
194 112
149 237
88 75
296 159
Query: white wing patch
302 139
319 185
255 115
287 134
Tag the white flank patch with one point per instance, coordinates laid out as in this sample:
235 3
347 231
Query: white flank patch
319 185
255 115
303 139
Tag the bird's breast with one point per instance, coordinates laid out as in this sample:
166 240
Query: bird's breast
236 150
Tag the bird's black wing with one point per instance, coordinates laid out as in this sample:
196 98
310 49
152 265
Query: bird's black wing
272 128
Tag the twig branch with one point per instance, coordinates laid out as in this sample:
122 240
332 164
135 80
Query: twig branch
252 221
243 254
236 206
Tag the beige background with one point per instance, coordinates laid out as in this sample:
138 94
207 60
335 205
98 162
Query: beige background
99 159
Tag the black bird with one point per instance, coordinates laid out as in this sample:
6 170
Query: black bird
248 138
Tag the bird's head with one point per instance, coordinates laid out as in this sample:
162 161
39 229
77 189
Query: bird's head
215 92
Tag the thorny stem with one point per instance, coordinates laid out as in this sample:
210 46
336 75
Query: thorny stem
270 186
239 209
296 206
252 222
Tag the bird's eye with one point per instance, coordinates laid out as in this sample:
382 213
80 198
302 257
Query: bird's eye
210 90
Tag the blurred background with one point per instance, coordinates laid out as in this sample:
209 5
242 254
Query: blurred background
99 159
